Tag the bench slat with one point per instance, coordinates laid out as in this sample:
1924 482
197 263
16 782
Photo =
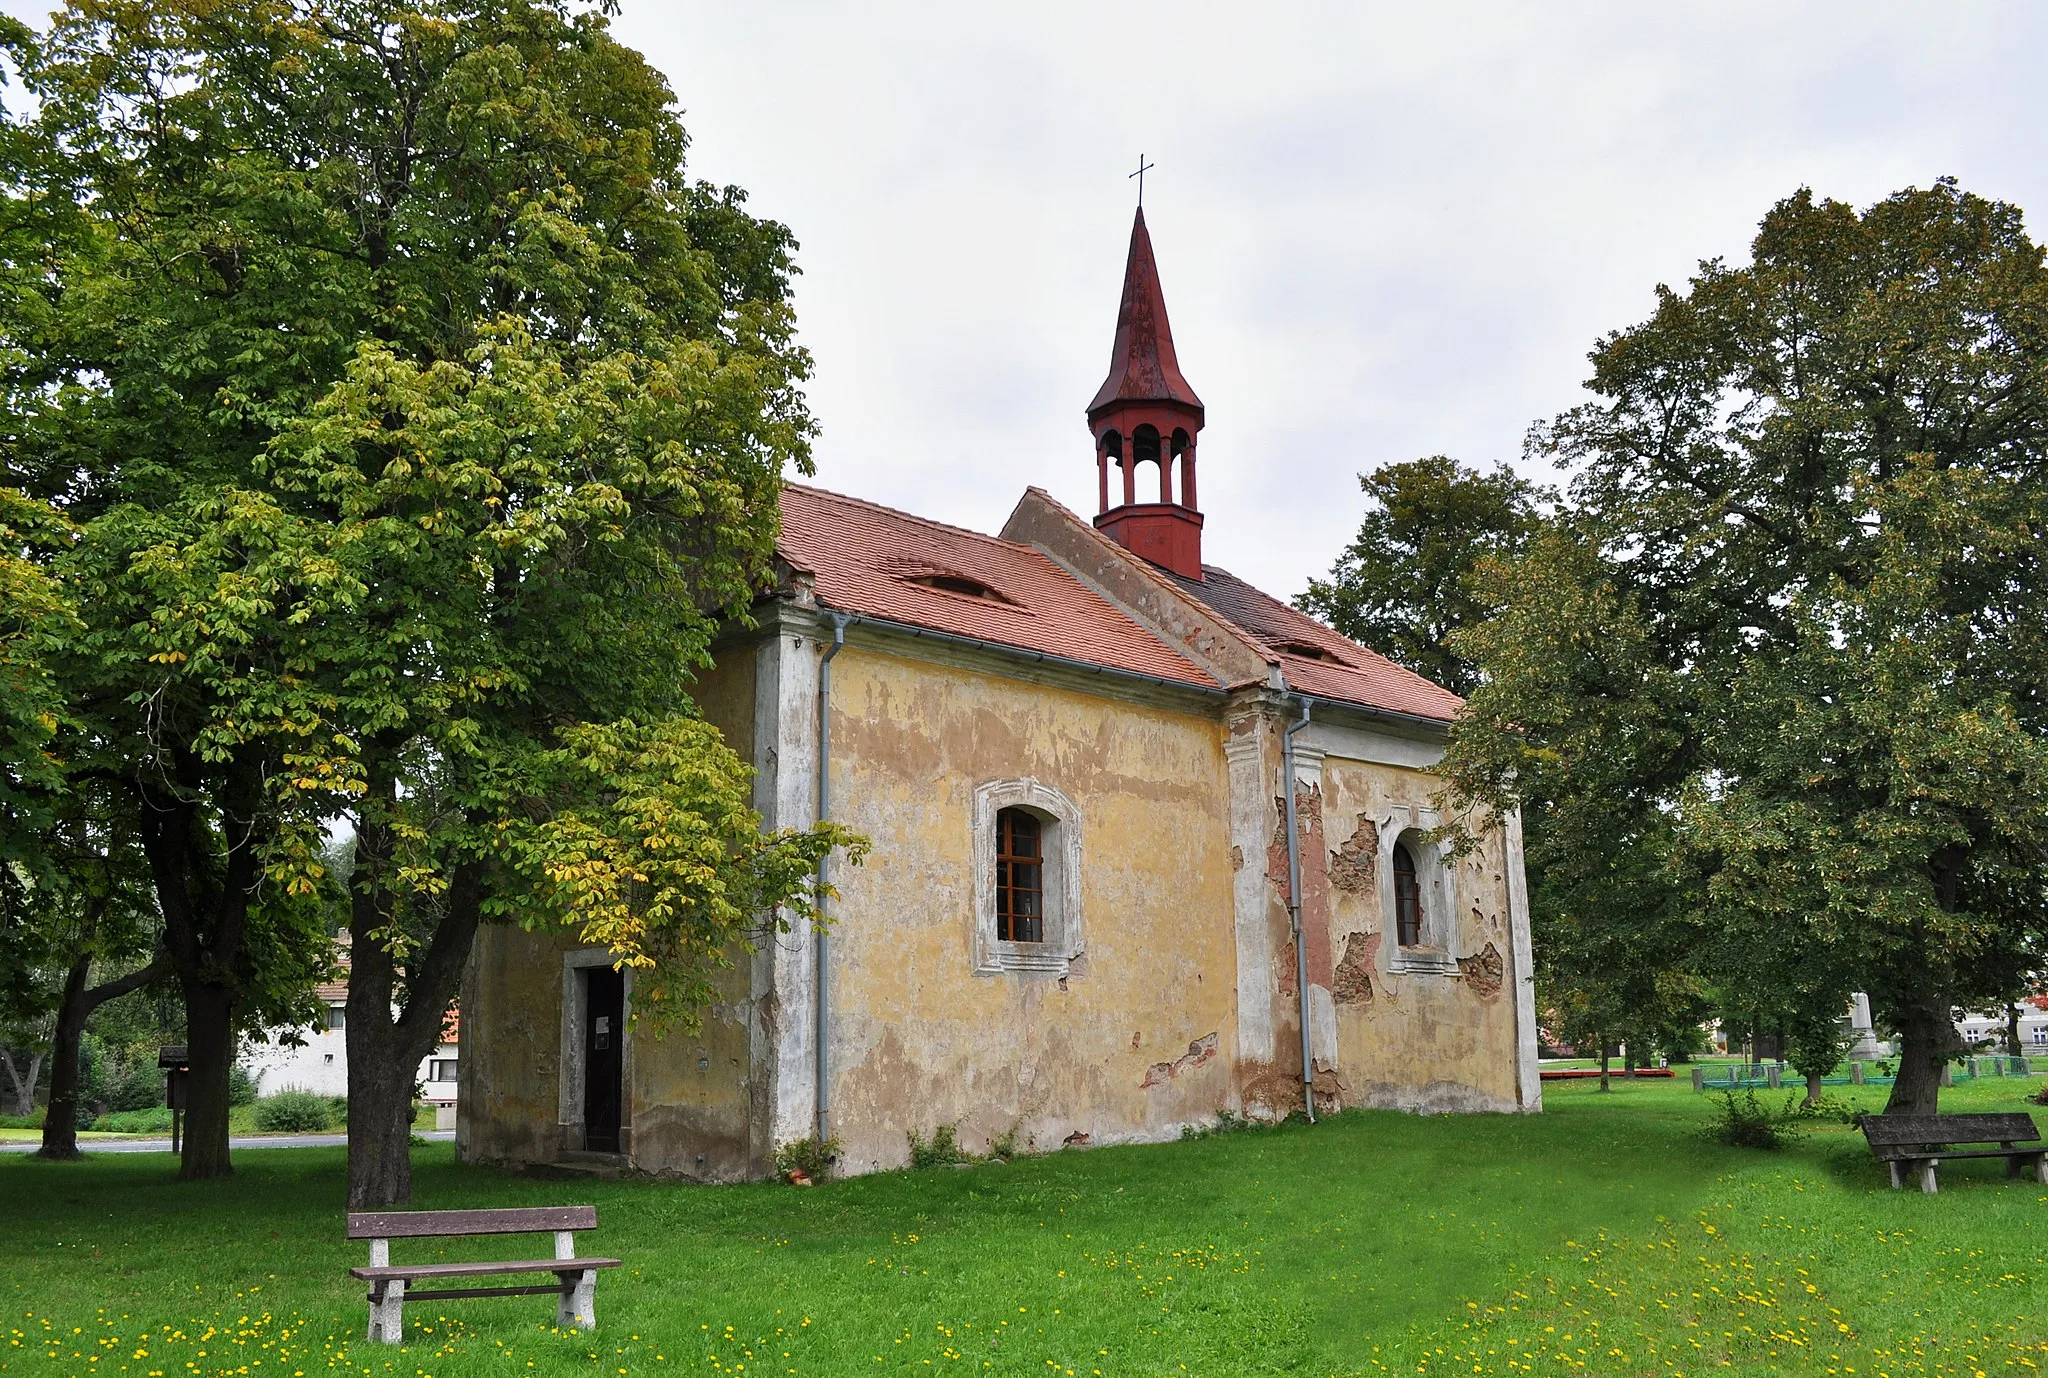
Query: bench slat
424 1224
445 1293
470 1270
1892 1130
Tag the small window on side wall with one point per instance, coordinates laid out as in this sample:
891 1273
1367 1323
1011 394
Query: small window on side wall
1407 898
1020 877
1027 879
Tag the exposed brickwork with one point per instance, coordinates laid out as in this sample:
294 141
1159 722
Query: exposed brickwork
1199 1052
1315 883
1483 972
1354 865
1353 984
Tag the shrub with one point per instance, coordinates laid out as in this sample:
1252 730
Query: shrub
34 1121
1832 1107
294 1112
1003 1147
1746 1122
941 1150
155 1120
241 1086
811 1156
135 1087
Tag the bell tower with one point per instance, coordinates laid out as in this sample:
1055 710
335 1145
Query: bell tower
1145 413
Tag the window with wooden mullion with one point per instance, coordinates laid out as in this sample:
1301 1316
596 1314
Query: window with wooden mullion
1020 877
1407 898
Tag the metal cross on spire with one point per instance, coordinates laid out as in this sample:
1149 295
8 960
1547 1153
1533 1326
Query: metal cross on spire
1143 168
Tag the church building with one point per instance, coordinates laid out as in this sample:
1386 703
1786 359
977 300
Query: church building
1149 845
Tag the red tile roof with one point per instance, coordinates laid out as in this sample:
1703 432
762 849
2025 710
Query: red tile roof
1328 665
865 559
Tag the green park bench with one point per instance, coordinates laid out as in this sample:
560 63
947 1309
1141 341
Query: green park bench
390 1283
1919 1143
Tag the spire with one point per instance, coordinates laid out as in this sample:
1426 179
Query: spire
1142 366
1145 413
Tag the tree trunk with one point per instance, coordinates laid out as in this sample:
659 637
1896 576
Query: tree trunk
60 1121
210 1046
379 1124
1813 1091
1628 1063
1926 1037
384 1050
1603 1067
2012 1032
24 1088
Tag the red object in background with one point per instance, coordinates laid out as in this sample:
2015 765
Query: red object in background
1145 413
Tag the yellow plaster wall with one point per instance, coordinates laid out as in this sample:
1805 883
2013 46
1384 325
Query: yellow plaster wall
920 1040
511 1047
1421 1041
692 1107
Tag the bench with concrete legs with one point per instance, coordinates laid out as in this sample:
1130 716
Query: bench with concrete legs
575 1284
1918 1144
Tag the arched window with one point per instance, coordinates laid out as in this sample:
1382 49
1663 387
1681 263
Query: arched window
1027 879
1020 877
1407 898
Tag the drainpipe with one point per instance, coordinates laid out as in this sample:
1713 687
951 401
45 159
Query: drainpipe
1308 1067
821 935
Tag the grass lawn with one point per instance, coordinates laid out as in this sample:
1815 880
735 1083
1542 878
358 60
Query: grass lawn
1605 1236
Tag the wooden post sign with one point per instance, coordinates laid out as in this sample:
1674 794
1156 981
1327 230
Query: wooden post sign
176 1067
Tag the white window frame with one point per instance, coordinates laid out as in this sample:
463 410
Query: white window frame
1436 876
1061 839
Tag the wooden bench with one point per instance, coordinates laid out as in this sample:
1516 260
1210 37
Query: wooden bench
1919 1143
575 1281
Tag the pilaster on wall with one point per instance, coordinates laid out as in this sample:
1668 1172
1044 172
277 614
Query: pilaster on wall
786 796
1528 1084
1250 752
1315 901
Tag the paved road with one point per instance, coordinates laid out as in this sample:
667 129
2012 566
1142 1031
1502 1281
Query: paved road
163 1145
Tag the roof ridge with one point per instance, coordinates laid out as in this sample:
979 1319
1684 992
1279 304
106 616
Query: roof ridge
1151 571
910 516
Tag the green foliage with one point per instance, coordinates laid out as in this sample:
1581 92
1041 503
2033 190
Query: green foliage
1743 1121
241 1086
137 1086
294 1112
1769 691
1003 1147
942 1149
1406 583
810 1155
418 423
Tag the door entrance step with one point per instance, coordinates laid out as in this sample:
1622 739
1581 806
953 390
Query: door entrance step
576 1165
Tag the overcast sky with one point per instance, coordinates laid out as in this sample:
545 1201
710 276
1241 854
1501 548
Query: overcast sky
1384 232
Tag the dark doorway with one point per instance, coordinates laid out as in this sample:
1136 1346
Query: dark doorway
604 1009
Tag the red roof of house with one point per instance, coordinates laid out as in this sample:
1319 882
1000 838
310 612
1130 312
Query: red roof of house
868 559
1315 659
